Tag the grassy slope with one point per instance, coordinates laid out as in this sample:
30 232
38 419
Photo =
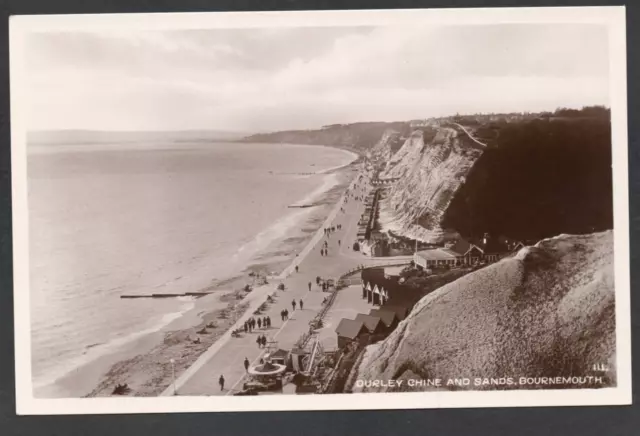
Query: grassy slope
538 179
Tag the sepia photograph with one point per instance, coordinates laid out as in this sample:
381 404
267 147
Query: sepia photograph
320 210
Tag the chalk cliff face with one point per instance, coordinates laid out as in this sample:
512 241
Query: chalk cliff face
383 149
548 311
429 173
398 164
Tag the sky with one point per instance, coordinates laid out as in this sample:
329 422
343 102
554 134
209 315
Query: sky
268 79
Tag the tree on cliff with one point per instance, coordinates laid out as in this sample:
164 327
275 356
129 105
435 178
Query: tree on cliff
540 178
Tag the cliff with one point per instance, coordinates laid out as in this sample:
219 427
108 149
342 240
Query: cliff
524 178
429 174
547 311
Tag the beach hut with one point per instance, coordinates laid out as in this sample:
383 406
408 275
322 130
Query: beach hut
388 317
373 323
400 308
349 330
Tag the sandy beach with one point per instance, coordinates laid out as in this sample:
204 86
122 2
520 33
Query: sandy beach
145 363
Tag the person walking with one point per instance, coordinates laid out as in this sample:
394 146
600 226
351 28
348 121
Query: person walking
259 323
268 321
253 323
282 314
309 286
221 382
286 314
259 341
293 305
263 341
246 364
245 327
301 304
296 268
338 242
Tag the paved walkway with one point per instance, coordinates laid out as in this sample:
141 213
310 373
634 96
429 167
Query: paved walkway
226 357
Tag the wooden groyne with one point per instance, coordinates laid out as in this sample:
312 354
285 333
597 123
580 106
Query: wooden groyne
185 294
300 206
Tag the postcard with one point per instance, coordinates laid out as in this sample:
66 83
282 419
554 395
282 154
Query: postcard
320 210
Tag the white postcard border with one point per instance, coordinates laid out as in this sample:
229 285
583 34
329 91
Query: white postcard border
612 17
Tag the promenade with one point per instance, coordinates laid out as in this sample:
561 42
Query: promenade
226 356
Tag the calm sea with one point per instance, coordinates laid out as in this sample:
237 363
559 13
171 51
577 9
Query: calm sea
106 220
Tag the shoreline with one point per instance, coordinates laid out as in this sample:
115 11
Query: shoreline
263 291
97 376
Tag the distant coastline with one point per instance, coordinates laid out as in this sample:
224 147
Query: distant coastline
79 136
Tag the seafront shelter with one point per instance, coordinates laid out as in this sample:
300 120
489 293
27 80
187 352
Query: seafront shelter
434 258
455 253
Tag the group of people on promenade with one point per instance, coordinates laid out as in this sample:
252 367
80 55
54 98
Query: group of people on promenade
261 341
323 284
263 322
332 229
284 314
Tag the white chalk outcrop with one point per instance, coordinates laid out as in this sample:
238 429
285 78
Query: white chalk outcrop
546 312
429 176
382 150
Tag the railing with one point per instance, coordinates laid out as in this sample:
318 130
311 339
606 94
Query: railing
377 265
332 378
301 343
